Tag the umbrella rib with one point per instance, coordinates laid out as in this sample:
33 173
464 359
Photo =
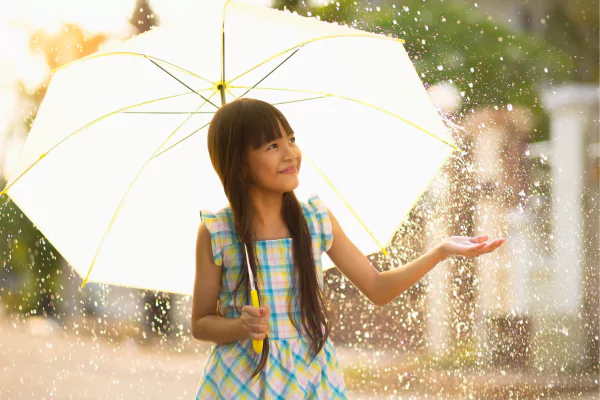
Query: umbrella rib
169 112
319 171
202 127
175 144
299 100
117 211
345 202
183 83
229 91
323 174
371 36
285 102
87 126
270 72
360 102
132 54
151 59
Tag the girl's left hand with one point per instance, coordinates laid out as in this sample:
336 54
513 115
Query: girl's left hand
469 246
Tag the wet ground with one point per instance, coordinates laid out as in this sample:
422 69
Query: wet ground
42 360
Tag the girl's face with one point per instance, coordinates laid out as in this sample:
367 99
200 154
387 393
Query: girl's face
266 163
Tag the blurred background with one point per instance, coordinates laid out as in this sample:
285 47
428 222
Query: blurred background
517 84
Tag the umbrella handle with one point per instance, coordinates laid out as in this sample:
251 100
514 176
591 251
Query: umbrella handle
257 344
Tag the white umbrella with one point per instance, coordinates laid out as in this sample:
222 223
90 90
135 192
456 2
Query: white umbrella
116 168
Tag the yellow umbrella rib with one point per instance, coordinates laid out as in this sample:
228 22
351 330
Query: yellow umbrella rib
153 60
169 112
188 136
360 102
431 180
312 41
345 202
87 126
323 174
320 173
283 102
117 211
179 142
131 54
202 127
299 100
229 91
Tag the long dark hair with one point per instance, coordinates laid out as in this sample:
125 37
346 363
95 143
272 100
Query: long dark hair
235 126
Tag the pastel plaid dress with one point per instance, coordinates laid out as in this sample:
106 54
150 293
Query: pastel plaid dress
287 374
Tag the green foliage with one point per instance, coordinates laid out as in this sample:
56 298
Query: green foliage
29 280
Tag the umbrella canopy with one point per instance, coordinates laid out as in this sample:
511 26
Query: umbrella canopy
116 167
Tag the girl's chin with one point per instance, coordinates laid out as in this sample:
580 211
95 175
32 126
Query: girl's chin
292 187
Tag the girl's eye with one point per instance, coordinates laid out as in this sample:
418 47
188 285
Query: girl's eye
294 139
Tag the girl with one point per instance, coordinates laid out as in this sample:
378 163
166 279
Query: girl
253 150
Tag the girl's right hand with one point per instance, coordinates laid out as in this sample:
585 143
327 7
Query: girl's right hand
254 321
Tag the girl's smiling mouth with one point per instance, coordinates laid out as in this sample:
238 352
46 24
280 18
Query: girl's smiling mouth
289 170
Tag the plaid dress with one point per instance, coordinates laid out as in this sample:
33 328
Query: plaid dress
287 374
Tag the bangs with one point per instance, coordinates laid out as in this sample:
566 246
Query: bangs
262 126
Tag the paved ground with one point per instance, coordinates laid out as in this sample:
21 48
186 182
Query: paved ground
44 361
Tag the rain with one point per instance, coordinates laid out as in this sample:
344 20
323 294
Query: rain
516 85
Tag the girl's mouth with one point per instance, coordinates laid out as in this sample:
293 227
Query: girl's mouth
291 170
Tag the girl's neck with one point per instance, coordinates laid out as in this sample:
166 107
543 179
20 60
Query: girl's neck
267 208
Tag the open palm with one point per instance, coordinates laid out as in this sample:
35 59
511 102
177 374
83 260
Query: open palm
470 246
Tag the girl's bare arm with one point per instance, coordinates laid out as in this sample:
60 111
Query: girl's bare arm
206 325
379 287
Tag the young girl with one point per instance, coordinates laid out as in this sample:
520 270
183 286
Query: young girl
253 150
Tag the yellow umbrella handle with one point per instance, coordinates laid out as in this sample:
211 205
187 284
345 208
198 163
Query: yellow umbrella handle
257 344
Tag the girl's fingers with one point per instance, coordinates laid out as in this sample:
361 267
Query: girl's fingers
479 246
257 320
256 328
257 336
249 319
483 248
494 245
251 310
479 238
